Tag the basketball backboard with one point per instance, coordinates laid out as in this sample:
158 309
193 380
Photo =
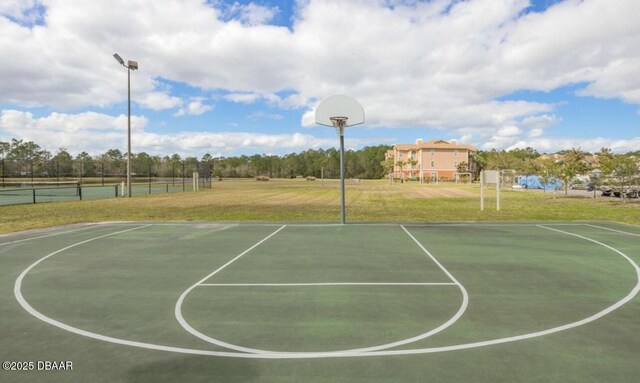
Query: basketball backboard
339 106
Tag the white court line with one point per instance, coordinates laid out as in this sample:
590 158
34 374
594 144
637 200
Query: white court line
464 292
614 230
219 223
193 331
429 350
50 235
427 334
335 284
352 224
487 224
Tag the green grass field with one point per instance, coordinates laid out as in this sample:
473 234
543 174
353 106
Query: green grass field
317 201
458 302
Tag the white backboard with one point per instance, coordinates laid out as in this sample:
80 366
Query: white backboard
339 105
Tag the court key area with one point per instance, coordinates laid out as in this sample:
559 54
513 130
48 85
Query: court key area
477 302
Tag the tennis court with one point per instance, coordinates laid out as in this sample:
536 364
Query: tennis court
481 302
57 192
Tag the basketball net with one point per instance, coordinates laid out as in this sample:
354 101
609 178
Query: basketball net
339 123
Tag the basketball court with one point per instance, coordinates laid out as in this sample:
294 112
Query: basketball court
137 301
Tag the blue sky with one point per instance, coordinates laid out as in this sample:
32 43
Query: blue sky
244 77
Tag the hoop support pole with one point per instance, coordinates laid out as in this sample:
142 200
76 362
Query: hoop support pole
342 203
339 123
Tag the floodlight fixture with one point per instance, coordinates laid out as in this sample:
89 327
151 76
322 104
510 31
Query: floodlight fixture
133 65
120 60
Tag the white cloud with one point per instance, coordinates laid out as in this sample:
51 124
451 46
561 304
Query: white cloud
158 101
243 98
231 143
440 64
16 122
95 133
619 79
554 144
260 115
536 132
76 132
291 101
195 107
505 136
542 121
508 131
252 14
537 124
23 11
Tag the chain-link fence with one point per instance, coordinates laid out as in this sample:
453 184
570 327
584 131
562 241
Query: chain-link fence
37 180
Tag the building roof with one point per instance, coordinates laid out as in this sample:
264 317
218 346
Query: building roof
435 144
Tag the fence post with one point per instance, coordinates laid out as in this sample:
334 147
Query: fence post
80 191
34 195
116 187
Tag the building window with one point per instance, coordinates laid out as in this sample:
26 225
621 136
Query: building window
455 152
433 152
400 155
433 164
455 164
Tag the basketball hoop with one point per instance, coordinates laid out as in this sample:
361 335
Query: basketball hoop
340 111
339 122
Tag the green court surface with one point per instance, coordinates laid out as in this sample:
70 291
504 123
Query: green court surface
224 302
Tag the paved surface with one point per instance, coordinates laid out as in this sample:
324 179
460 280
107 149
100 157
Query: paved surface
579 193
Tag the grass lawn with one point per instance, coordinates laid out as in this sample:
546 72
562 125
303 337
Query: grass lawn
318 201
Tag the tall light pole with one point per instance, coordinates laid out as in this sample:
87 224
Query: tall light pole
130 65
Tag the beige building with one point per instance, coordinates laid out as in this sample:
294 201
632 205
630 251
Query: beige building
436 159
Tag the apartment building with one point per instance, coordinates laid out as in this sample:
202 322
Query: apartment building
436 159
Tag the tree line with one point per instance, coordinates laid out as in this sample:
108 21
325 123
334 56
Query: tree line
619 171
28 159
